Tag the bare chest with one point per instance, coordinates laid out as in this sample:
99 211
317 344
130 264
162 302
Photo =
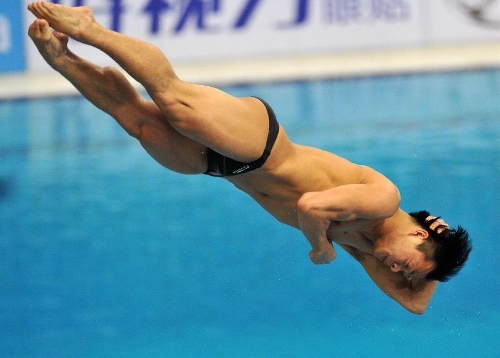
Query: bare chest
356 233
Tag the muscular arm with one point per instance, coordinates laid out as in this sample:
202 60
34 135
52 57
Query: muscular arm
375 198
414 294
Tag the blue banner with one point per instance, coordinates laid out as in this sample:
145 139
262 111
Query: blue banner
11 36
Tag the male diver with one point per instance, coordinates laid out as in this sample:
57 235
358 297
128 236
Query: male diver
196 129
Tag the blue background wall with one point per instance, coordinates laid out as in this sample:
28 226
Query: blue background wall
11 36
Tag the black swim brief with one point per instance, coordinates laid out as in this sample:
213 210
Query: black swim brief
221 166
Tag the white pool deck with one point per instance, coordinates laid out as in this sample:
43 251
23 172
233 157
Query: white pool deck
303 67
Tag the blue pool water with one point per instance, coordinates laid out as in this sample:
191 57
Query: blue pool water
103 253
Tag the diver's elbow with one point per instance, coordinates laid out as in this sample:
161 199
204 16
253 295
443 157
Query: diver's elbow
418 309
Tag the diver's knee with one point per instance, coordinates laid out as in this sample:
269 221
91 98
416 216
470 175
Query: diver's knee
176 109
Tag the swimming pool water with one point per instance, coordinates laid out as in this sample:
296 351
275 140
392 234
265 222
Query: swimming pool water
103 253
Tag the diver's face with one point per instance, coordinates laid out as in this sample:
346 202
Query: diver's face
400 254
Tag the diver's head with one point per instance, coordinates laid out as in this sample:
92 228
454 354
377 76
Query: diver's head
448 248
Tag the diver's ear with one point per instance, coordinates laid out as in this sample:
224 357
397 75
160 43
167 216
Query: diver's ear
421 233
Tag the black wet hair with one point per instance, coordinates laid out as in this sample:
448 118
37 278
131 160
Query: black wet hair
449 249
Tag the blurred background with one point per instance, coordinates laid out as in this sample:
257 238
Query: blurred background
103 253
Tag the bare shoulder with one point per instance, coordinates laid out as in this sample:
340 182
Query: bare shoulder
368 175
383 185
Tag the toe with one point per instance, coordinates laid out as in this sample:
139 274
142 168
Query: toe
33 8
43 24
32 29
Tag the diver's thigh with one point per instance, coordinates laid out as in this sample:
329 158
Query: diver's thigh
232 126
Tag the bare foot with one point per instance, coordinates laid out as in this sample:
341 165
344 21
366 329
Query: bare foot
52 46
76 22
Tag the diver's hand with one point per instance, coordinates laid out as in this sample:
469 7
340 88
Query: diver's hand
324 255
